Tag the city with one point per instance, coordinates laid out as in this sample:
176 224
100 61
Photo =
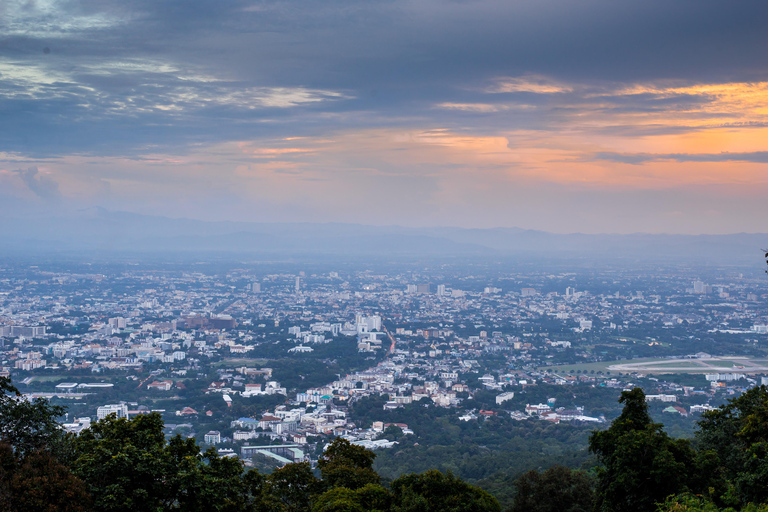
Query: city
269 363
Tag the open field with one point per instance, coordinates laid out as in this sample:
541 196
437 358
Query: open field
588 367
711 365
697 366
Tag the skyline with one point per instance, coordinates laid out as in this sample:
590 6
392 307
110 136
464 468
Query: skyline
588 118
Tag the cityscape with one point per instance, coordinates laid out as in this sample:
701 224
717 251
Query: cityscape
268 363
401 256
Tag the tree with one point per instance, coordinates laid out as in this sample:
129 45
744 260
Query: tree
347 465
27 425
43 484
123 463
641 464
738 433
294 487
558 489
128 465
433 491
369 498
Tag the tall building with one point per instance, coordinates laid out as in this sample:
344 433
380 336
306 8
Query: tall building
121 410
441 290
212 437
367 323
255 287
27 332
298 284
411 288
424 288
698 286
117 322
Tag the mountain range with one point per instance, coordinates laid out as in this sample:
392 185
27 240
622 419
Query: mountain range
105 231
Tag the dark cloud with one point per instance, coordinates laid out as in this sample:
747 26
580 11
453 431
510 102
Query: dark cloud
760 157
43 186
121 76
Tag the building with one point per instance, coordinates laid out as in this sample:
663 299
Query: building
120 410
117 322
367 323
164 385
500 399
27 332
727 377
255 287
661 398
213 437
424 288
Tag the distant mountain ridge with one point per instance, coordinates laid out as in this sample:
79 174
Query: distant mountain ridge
98 229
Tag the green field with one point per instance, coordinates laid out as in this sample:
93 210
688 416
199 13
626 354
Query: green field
726 363
679 364
663 366
598 366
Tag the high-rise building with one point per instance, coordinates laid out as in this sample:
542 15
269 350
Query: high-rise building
121 410
27 332
698 286
441 290
367 323
411 288
298 284
117 322
424 288
255 287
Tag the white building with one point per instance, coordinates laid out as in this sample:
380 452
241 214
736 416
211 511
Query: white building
500 399
661 398
117 322
213 437
121 410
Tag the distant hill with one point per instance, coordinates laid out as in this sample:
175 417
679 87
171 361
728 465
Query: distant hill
97 229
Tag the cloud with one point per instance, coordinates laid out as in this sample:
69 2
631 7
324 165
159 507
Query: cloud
40 184
411 99
760 157
532 84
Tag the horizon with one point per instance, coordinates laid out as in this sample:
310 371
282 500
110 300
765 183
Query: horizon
102 209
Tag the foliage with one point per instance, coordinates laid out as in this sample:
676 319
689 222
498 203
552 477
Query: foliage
294 487
738 433
369 498
433 491
122 461
641 464
693 503
43 484
347 465
27 425
558 489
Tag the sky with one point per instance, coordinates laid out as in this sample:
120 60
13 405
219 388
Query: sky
558 115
